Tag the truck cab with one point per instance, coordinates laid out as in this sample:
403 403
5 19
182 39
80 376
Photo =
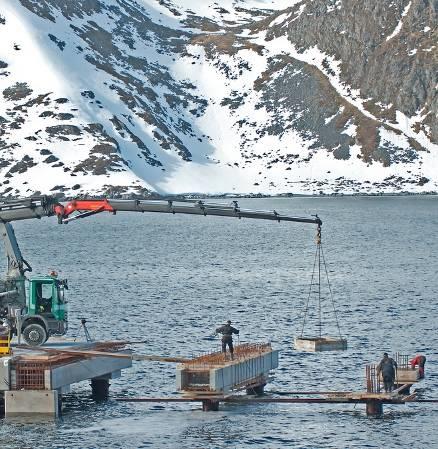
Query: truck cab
45 312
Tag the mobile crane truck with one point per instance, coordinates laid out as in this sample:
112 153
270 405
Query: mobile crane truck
37 305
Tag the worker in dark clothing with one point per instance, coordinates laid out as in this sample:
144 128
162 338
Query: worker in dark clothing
387 367
419 360
227 332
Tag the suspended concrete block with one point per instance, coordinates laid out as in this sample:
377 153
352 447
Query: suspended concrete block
319 344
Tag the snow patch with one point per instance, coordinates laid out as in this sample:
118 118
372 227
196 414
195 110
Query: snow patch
400 23
299 12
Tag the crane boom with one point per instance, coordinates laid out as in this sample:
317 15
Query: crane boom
171 206
46 206
44 311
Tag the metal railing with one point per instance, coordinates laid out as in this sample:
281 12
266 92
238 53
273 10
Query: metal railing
372 379
402 361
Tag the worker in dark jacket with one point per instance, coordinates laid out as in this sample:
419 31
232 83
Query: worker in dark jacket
387 367
419 360
227 332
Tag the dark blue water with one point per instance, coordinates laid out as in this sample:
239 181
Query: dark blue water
173 279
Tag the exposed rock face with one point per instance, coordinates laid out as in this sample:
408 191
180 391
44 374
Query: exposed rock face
397 68
326 95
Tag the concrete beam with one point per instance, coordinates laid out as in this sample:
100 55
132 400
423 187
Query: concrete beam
96 367
252 371
229 377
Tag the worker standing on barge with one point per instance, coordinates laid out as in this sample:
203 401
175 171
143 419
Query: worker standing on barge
227 332
387 367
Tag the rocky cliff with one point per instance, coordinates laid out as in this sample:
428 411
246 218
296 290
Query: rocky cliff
121 96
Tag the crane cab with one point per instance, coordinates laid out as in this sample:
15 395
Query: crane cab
47 297
46 312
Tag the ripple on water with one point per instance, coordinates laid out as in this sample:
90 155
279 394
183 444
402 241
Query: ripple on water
172 280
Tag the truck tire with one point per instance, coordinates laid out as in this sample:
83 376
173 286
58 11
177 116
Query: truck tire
34 334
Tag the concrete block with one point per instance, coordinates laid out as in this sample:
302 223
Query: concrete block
320 344
31 402
404 376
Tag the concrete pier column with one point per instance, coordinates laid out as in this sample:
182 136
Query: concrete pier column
32 402
258 390
2 404
210 405
374 408
100 389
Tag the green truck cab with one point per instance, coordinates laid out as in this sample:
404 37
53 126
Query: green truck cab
45 313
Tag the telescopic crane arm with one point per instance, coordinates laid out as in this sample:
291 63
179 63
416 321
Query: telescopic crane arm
13 288
91 207
46 206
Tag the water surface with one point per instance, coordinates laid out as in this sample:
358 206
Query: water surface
172 279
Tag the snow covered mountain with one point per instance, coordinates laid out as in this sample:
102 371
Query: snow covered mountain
237 96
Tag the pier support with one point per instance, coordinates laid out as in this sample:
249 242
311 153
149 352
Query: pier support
374 408
210 405
2 404
100 389
258 390
32 402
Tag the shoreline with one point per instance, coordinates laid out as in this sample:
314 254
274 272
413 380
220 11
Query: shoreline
200 196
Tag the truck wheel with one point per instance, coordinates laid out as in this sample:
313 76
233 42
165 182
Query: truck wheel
34 334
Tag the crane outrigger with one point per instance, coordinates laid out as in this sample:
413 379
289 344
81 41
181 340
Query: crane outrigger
39 301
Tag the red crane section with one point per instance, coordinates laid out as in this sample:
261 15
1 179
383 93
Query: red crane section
94 206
